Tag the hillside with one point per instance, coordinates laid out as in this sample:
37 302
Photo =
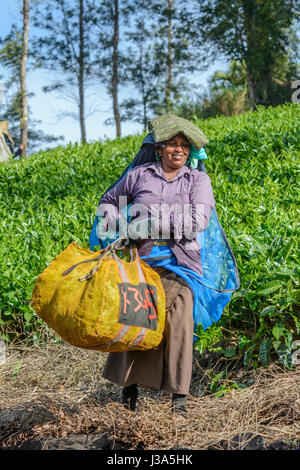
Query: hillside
49 200
245 386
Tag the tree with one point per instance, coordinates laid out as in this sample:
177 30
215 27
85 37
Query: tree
234 77
115 77
10 58
146 45
12 109
254 31
66 46
13 55
169 80
160 56
141 72
111 59
227 92
174 56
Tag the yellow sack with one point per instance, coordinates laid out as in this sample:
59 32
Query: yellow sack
116 306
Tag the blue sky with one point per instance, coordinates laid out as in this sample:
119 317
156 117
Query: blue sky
45 107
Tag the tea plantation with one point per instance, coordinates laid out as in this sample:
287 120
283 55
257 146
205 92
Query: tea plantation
49 200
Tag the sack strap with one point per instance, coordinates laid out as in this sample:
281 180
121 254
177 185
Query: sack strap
95 268
117 244
81 262
133 257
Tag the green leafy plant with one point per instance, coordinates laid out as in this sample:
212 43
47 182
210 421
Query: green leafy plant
16 369
220 384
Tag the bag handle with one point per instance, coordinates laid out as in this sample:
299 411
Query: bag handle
106 252
133 257
112 252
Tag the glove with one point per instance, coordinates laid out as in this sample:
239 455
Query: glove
139 230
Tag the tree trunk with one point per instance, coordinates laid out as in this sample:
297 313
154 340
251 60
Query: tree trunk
81 74
251 90
115 69
250 30
143 92
259 74
23 87
170 57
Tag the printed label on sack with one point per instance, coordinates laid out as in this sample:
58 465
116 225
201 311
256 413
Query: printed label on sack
138 305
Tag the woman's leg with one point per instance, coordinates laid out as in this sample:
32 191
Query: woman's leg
179 330
179 404
129 397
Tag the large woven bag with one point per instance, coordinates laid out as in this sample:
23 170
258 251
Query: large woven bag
116 306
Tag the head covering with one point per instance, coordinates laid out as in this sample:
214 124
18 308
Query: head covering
168 125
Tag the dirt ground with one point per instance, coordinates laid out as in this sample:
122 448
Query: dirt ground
53 397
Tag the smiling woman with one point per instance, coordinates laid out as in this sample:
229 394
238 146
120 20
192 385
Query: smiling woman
174 154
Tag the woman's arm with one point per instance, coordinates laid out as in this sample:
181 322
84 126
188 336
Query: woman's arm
180 222
115 200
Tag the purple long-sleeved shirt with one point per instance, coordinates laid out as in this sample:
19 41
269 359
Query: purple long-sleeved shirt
191 192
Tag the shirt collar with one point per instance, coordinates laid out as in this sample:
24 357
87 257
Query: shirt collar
157 167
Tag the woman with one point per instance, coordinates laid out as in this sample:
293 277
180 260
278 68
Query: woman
169 182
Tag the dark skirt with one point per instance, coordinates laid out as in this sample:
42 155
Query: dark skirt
168 367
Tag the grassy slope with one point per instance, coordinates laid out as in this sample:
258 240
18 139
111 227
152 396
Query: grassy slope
49 200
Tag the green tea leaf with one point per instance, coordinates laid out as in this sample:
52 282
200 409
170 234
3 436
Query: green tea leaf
277 332
229 352
269 288
268 310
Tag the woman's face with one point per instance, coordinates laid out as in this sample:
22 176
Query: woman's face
174 155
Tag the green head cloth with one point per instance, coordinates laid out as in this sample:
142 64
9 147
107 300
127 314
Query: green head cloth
168 125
